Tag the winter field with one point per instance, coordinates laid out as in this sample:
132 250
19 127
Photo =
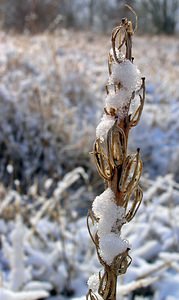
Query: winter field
52 91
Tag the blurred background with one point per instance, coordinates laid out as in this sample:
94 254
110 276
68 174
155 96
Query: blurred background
53 70
37 15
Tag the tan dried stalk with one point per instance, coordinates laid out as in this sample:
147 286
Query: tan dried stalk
120 171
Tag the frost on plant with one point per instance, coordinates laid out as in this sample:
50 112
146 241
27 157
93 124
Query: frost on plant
17 257
121 171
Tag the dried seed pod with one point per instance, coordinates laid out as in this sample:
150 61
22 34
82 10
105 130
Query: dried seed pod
136 201
91 296
102 160
132 169
137 114
121 263
116 145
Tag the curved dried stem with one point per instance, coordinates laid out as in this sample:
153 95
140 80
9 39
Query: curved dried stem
91 216
137 114
136 17
109 281
138 194
131 173
121 263
115 33
91 296
125 29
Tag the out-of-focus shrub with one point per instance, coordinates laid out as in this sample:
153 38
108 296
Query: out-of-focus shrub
158 16
47 111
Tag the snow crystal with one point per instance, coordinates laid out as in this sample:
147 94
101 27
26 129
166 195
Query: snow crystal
103 127
111 245
93 282
127 74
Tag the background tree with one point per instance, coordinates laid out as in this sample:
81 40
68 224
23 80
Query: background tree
162 14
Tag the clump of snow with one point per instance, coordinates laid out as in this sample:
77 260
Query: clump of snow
119 101
93 282
103 127
111 220
111 217
105 225
103 203
127 74
111 245
108 212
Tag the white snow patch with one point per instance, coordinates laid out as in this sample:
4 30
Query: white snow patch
38 286
111 222
119 101
110 215
18 276
103 127
33 295
111 245
103 203
93 282
127 74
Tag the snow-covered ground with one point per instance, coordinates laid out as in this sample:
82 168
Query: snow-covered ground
51 97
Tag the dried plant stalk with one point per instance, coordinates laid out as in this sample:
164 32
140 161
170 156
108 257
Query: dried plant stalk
120 171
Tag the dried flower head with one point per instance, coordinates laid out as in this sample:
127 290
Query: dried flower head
121 172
